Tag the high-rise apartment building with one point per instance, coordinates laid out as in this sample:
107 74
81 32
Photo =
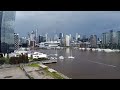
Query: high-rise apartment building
67 40
93 41
118 38
61 36
105 38
7 25
42 39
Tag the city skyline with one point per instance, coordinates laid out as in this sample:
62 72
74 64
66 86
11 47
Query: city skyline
68 22
83 44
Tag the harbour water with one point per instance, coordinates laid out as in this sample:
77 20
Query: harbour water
87 64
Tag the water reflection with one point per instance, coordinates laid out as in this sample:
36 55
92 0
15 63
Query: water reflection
67 52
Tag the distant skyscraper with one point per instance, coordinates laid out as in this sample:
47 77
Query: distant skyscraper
111 36
67 40
114 38
23 42
106 38
55 37
7 24
39 38
29 39
93 41
76 36
118 38
70 37
61 36
36 36
16 41
42 39
32 39
62 39
46 36
103 38
32 36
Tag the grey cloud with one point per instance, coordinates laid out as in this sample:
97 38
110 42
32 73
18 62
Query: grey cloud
83 22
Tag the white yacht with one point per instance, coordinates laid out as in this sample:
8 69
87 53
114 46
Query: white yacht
55 52
71 57
37 55
93 49
61 57
83 48
88 49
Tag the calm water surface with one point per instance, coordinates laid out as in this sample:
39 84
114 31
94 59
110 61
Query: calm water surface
87 64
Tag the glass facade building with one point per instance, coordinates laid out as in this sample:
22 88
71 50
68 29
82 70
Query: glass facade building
7 25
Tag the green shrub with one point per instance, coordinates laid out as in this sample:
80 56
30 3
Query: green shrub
14 60
34 65
18 60
2 60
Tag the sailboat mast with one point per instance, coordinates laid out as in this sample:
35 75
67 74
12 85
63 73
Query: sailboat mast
71 52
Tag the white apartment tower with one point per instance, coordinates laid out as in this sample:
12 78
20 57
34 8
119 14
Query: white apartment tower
67 40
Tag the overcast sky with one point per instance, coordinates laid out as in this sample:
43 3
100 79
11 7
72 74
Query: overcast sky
68 22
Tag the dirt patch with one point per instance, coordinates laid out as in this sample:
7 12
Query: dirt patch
8 76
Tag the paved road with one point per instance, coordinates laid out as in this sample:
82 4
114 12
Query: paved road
12 73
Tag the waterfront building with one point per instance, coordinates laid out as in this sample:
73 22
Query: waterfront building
41 39
110 39
46 37
93 41
105 39
115 41
56 37
32 39
50 44
61 36
118 38
111 36
61 39
70 38
67 40
76 36
7 25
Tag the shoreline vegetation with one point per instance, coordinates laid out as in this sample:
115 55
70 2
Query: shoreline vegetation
23 60
20 59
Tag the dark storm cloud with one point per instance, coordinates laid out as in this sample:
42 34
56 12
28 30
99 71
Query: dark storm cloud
83 22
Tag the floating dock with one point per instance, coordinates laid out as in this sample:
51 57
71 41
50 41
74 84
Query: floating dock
49 61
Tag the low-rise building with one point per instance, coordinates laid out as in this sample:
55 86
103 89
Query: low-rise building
49 44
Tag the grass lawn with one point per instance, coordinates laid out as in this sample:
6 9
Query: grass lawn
53 74
34 65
